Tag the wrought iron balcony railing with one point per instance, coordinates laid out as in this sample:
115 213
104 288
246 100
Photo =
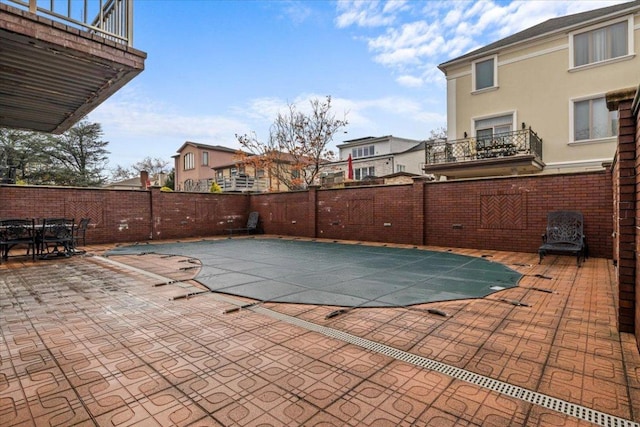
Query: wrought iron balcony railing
112 19
508 144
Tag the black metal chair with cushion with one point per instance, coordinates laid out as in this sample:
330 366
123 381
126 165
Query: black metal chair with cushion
56 237
15 232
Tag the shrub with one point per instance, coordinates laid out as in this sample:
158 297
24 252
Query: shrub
215 188
166 189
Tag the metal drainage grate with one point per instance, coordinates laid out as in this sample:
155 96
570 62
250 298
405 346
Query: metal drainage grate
558 405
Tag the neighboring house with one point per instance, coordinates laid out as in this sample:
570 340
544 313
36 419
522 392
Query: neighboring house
251 176
375 157
141 182
534 102
194 163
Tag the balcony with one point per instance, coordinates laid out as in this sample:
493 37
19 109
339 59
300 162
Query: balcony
60 60
510 153
243 183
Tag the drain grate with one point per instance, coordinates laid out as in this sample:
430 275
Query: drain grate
558 405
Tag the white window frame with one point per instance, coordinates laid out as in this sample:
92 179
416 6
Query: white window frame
513 114
572 139
360 173
495 74
363 151
189 161
630 44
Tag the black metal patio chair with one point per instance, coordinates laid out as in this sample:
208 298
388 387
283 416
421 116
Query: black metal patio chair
252 225
56 237
14 232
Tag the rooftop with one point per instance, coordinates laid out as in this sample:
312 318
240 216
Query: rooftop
134 340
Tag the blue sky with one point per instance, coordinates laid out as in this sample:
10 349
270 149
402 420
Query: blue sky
219 68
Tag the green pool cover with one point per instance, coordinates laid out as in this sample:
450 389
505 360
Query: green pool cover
346 275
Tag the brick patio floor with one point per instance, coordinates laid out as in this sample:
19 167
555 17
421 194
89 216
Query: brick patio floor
133 340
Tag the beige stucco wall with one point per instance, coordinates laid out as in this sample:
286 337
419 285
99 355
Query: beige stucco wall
537 84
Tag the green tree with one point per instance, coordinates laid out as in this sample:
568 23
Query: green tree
20 151
78 157
298 144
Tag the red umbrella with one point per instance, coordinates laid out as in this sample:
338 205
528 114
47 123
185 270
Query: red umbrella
349 167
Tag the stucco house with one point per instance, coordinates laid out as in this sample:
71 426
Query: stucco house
534 102
194 163
376 157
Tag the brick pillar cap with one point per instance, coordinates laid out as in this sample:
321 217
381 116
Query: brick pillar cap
615 97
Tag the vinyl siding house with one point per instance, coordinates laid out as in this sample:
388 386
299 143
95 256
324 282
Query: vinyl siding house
534 102
376 157
194 163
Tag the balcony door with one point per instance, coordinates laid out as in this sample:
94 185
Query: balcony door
488 129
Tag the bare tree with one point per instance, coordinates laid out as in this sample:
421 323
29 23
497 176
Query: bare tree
154 166
438 133
297 146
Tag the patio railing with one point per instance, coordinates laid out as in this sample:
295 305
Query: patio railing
508 144
243 183
112 19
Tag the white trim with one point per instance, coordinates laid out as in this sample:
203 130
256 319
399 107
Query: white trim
534 54
630 39
600 63
452 115
586 165
495 72
593 141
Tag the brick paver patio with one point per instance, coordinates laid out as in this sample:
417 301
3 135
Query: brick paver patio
133 340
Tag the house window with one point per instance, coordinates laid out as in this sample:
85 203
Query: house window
487 128
219 174
260 173
400 168
367 151
601 44
205 158
234 171
189 161
361 173
593 120
485 74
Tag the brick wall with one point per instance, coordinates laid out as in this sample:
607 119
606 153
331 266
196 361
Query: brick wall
636 118
129 216
501 214
510 213
625 209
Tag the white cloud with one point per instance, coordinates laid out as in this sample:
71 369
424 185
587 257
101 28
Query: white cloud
298 12
408 37
366 13
410 81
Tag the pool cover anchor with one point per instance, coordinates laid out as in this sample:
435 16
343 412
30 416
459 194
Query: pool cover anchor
240 307
535 288
189 295
515 302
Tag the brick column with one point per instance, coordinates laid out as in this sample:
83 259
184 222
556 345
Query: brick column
312 211
418 210
624 185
